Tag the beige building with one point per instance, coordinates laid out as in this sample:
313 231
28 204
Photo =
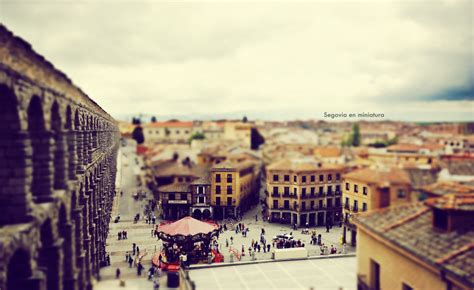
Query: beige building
370 189
234 187
168 132
301 192
418 245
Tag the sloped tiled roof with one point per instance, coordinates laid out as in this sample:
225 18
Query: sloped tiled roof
301 166
174 187
410 227
380 176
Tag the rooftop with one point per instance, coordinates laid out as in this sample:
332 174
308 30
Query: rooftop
319 273
410 227
171 124
297 165
382 177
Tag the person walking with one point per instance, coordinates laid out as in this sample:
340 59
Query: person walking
117 273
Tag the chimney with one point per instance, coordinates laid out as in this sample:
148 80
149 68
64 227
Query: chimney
452 212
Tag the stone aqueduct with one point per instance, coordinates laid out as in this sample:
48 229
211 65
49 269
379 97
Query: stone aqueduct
58 153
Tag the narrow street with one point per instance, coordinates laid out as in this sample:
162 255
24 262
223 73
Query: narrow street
139 233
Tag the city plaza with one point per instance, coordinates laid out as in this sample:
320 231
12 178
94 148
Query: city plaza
330 271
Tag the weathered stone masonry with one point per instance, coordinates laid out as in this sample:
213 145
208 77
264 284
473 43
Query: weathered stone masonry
58 154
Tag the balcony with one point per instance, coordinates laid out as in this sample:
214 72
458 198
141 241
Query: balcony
275 194
362 283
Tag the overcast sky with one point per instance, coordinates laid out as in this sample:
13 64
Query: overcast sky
408 59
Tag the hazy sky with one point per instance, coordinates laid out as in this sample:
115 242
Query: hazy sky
408 59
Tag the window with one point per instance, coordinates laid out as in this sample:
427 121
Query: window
401 193
347 185
329 203
287 190
171 196
218 189
180 179
338 176
406 287
312 204
338 188
218 201
329 189
338 202
303 205
275 177
218 177
321 189
303 192
287 178
229 189
229 201
201 199
356 188
320 204
188 179
275 204
303 179
329 177
313 178
313 190
321 178
177 132
201 189
346 205
275 190
295 191
287 204
364 206
295 178
364 190
356 205
229 178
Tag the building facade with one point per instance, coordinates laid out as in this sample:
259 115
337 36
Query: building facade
58 152
234 187
417 245
168 132
370 189
304 193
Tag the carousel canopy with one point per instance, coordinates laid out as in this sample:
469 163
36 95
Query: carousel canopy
187 226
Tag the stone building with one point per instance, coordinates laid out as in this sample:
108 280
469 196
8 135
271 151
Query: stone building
304 192
58 152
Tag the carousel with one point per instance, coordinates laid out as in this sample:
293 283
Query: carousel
189 237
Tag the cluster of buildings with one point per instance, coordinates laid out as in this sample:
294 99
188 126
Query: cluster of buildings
209 187
407 207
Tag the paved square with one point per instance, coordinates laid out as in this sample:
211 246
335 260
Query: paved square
320 273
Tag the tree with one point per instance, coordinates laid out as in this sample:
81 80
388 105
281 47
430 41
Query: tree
137 135
136 121
355 138
153 119
244 119
197 136
256 139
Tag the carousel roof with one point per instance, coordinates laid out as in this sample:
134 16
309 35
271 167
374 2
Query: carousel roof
187 226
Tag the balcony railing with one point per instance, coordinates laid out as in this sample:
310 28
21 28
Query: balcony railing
362 283
275 194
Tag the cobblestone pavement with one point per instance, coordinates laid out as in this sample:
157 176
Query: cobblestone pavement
140 233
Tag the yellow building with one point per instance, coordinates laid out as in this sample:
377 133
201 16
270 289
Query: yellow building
369 189
234 186
417 245
301 192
